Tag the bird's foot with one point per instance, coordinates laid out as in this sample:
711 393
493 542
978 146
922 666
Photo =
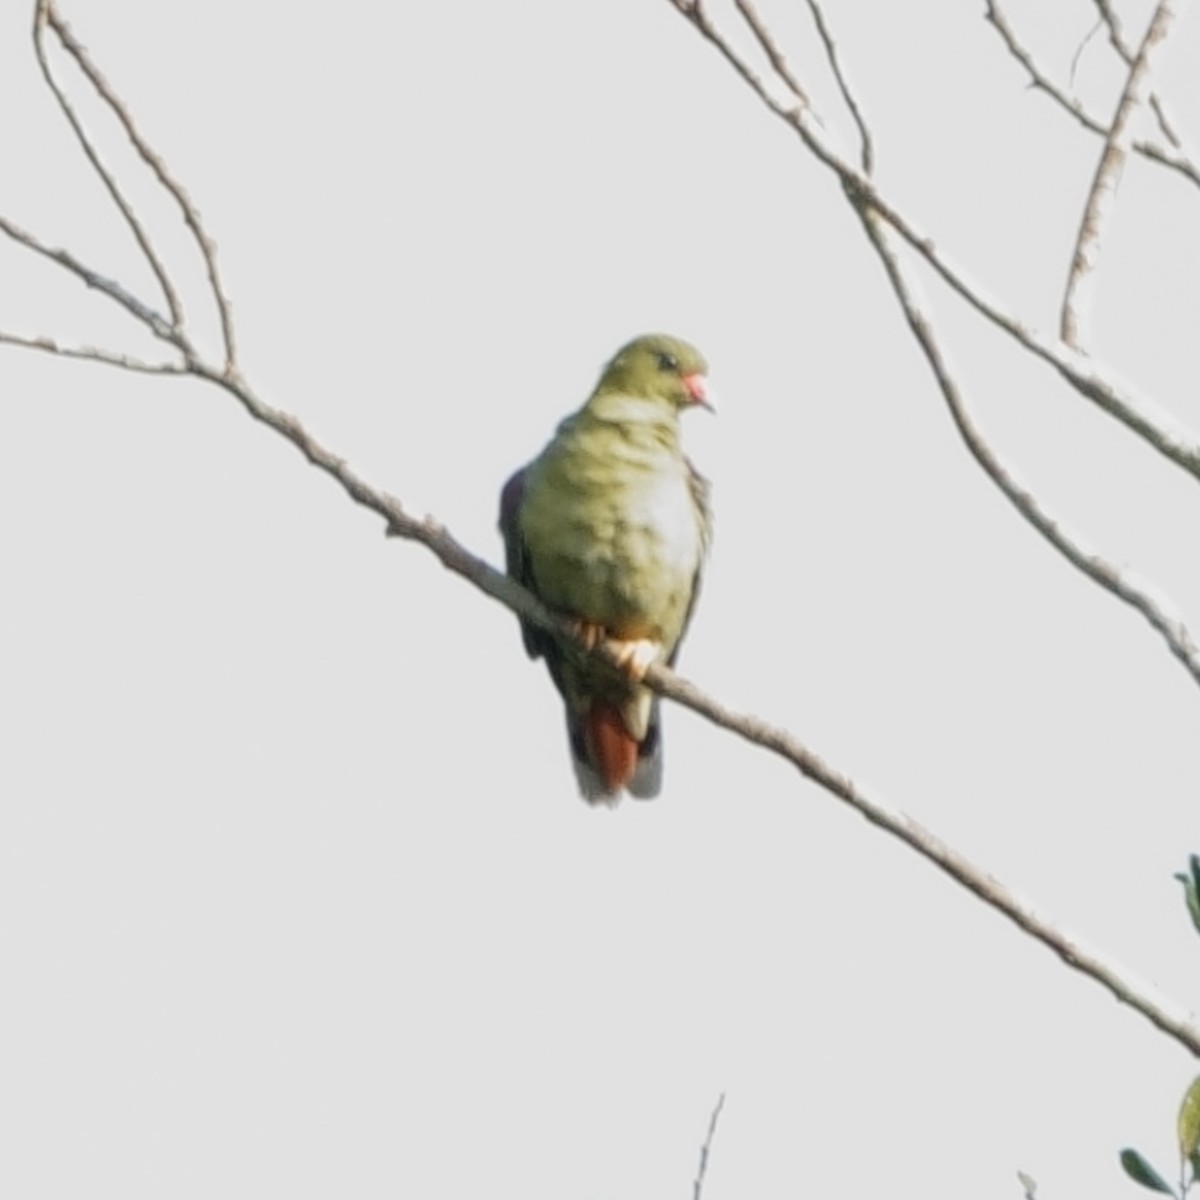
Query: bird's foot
589 633
635 657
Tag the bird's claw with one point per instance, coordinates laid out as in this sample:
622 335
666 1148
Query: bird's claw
636 657
588 633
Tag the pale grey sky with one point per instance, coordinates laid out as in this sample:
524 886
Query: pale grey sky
296 895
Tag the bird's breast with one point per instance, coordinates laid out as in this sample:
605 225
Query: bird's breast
615 539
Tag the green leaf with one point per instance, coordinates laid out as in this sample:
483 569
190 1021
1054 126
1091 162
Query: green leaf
1189 1121
1140 1171
1028 1185
1191 889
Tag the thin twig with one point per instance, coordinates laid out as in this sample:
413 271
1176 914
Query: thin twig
154 321
1081 279
191 217
1171 156
41 16
1077 57
698 1187
866 147
1159 107
1125 52
93 354
771 49
1109 16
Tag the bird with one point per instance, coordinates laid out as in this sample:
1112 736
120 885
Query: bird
609 526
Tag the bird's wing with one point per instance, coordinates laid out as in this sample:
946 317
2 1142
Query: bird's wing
702 498
538 642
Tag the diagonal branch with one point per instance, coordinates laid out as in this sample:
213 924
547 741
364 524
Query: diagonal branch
771 49
138 309
1081 279
866 146
1157 611
1168 1017
1109 16
706 1148
92 354
1172 1019
1116 36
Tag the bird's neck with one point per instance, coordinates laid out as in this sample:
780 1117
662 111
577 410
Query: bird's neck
637 417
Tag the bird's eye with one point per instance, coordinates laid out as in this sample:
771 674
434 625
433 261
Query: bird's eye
668 362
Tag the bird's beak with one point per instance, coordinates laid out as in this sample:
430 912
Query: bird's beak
697 387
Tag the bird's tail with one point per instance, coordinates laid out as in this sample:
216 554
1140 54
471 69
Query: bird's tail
609 759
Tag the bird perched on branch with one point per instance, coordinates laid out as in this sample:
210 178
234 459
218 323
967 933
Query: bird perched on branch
609 527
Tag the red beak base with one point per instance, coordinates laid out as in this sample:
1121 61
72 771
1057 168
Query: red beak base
697 388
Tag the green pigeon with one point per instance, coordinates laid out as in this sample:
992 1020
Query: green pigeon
609 526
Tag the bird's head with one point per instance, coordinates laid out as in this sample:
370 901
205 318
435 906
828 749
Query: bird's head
658 367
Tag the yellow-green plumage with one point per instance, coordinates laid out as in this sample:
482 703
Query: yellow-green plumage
610 525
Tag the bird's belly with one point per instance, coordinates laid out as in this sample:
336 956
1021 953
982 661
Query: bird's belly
625 559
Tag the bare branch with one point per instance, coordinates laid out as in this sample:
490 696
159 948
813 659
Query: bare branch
694 11
428 532
1170 1018
771 49
1171 156
1159 107
1081 280
866 147
1077 57
1038 78
1109 16
48 12
1116 36
41 16
1160 613
92 354
155 322
1083 374
698 1186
